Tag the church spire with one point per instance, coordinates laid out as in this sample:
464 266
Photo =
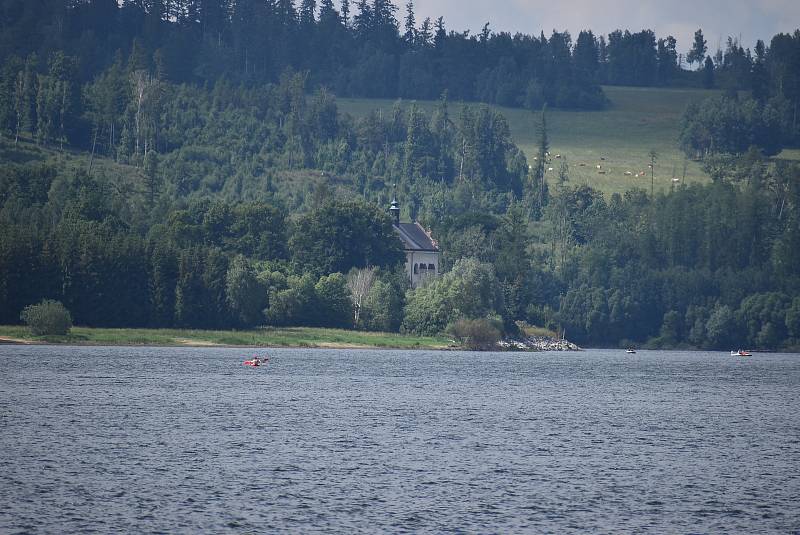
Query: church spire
394 209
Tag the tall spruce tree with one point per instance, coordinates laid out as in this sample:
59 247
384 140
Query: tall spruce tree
698 50
410 26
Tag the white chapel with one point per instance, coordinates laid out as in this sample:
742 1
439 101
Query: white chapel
422 251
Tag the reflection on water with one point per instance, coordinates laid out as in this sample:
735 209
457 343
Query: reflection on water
186 440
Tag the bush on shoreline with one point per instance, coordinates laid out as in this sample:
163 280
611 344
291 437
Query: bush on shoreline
48 317
476 334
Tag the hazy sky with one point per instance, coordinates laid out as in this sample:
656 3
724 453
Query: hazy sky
750 19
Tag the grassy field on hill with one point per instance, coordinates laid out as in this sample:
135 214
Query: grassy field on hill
638 120
266 337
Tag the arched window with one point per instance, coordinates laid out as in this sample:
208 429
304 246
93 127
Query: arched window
432 268
415 269
423 267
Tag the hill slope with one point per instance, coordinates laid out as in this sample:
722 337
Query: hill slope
638 120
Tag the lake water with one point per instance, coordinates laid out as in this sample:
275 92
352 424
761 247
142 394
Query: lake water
187 440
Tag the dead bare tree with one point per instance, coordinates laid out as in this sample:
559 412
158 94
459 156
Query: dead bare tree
359 282
141 83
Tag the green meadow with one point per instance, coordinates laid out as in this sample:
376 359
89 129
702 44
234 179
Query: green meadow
266 337
619 138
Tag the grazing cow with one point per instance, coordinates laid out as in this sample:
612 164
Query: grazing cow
601 172
582 165
599 166
628 173
602 158
676 179
549 168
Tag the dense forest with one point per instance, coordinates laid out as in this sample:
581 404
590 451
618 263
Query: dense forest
184 163
372 49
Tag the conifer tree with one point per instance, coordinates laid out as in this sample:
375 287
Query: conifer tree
307 13
759 79
708 73
538 186
441 32
327 13
699 49
410 35
425 34
346 13
362 22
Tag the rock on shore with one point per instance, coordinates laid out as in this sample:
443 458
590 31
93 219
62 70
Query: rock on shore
538 343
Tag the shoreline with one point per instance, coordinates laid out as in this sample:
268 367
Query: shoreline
13 341
199 344
266 338
290 337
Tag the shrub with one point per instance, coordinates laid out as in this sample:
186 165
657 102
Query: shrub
469 290
478 334
46 318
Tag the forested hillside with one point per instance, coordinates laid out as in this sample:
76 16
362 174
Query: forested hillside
159 168
374 49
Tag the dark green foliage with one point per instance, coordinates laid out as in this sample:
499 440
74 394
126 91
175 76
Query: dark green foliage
254 42
47 318
633 58
720 328
344 234
200 293
667 55
671 328
699 48
469 290
695 266
732 125
793 319
306 301
476 334
245 294
334 308
383 307
163 281
763 319
294 304
256 230
708 73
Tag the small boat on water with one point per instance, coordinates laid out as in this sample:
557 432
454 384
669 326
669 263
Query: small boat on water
256 361
741 353
630 350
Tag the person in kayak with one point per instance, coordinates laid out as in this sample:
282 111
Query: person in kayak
256 361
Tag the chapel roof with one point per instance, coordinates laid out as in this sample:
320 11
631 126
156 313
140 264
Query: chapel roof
415 238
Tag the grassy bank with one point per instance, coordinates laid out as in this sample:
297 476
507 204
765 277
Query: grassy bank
637 120
267 337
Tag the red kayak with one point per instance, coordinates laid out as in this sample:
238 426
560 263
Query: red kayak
256 363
